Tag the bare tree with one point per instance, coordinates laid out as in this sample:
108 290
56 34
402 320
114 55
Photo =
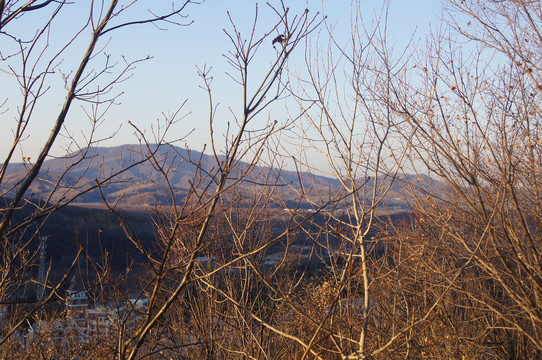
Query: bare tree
249 265
347 119
35 62
213 241
474 113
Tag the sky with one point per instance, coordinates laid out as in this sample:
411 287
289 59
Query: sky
169 81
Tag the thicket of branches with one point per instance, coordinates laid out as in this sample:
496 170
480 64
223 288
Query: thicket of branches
452 128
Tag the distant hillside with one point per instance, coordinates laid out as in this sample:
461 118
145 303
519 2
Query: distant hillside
86 222
139 181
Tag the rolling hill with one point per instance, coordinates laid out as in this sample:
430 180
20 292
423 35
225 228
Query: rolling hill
135 175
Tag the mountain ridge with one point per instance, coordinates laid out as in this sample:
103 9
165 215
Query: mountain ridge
136 176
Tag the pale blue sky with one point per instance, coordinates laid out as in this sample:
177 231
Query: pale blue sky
163 83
